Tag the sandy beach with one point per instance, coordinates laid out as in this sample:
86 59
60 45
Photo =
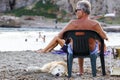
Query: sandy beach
14 63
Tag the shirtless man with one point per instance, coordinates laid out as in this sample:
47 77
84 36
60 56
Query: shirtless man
83 22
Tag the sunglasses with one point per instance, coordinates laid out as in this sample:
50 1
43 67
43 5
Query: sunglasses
78 10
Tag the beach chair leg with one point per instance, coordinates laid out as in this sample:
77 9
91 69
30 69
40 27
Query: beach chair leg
102 64
93 58
69 64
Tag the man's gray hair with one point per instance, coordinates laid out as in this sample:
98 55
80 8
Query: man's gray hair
84 5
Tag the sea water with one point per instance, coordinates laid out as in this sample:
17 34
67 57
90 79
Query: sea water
19 39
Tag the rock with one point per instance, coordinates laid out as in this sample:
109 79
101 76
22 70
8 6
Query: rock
9 21
112 28
98 6
29 18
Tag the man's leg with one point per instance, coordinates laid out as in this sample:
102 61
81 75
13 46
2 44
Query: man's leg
80 62
53 43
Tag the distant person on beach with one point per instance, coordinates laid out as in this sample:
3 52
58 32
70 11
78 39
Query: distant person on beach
42 37
56 23
83 22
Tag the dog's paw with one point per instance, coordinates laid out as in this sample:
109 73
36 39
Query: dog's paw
32 69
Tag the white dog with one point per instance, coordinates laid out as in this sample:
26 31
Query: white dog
56 68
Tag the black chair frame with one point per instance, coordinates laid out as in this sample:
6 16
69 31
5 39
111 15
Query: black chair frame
81 48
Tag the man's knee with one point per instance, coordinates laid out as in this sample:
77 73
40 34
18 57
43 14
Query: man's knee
56 37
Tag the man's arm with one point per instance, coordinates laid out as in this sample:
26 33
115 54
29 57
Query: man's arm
69 26
100 30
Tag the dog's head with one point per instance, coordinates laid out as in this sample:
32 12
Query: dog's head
58 70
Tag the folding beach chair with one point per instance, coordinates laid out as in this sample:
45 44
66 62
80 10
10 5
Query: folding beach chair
81 48
115 70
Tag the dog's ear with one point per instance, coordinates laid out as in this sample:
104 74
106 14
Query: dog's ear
63 63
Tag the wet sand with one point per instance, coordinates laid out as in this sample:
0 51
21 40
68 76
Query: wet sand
14 63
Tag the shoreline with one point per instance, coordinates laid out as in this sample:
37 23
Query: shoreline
60 26
42 22
108 28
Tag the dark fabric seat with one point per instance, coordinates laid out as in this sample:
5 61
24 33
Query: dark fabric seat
81 48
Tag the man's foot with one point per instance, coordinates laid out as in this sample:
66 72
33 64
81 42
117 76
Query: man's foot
40 51
79 74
